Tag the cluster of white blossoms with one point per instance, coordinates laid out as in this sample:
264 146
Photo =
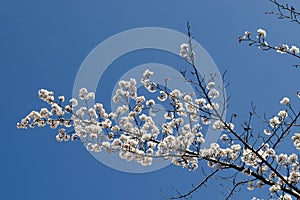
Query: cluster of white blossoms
256 159
284 48
277 120
52 117
261 33
262 43
131 130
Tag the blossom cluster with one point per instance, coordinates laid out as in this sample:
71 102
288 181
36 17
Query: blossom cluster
130 129
262 43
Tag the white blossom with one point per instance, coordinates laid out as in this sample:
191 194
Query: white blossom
285 197
210 85
282 114
90 95
261 32
283 48
213 93
285 101
184 50
267 131
296 140
61 98
250 185
82 93
74 102
294 50
163 96
282 158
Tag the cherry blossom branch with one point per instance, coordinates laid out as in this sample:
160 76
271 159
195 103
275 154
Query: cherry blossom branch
285 12
260 42
131 131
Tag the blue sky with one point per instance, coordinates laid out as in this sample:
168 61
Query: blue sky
42 45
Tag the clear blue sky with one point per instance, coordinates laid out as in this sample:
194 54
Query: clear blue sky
42 45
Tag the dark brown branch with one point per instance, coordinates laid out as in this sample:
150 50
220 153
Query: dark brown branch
197 187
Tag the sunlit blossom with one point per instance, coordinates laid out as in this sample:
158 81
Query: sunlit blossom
261 32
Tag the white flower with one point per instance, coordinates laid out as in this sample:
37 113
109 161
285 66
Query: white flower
96 147
292 158
184 46
250 185
162 145
74 102
274 188
294 177
218 125
200 101
168 115
213 93
146 136
282 158
93 113
143 117
249 158
247 34
44 112
275 121
116 144
93 129
205 120
267 132
89 147
213 106
147 73
163 96
285 101
58 138
116 98
46 95
74 137
68 108
149 151
61 98
283 48
210 164
67 137
236 147
283 114
132 82
294 50
184 50
150 102
90 95
296 139
106 144
210 85
81 111
259 184
261 32
151 88
98 106
140 99
82 93
285 197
